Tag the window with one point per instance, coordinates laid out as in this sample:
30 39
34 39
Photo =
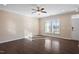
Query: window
47 26
52 26
56 26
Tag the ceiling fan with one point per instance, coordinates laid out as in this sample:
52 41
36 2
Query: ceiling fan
39 10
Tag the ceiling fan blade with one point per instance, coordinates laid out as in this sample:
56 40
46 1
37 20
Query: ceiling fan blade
42 8
33 9
43 11
38 9
33 12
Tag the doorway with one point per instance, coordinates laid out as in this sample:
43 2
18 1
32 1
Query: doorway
75 27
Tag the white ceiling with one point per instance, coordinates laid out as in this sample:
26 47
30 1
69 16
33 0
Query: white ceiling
52 9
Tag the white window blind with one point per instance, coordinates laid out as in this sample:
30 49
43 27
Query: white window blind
47 27
52 26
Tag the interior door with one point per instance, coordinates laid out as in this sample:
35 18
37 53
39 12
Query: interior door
75 28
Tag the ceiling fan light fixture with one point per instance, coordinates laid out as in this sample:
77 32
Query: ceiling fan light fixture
38 13
39 10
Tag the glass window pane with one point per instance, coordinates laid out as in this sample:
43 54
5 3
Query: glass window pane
47 27
56 26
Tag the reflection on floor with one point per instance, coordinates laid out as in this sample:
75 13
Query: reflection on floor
40 45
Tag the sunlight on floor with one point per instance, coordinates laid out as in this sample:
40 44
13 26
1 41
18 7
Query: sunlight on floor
48 44
55 45
29 36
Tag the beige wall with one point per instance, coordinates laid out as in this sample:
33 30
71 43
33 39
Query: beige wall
65 26
31 25
13 26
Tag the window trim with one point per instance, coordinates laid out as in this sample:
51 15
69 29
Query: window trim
51 32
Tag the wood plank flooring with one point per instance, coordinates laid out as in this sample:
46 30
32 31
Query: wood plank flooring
40 45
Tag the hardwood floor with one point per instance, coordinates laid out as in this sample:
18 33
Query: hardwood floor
40 45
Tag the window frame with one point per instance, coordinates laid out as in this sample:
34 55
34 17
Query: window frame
50 28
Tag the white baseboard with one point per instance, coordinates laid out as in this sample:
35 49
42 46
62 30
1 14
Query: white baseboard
59 37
